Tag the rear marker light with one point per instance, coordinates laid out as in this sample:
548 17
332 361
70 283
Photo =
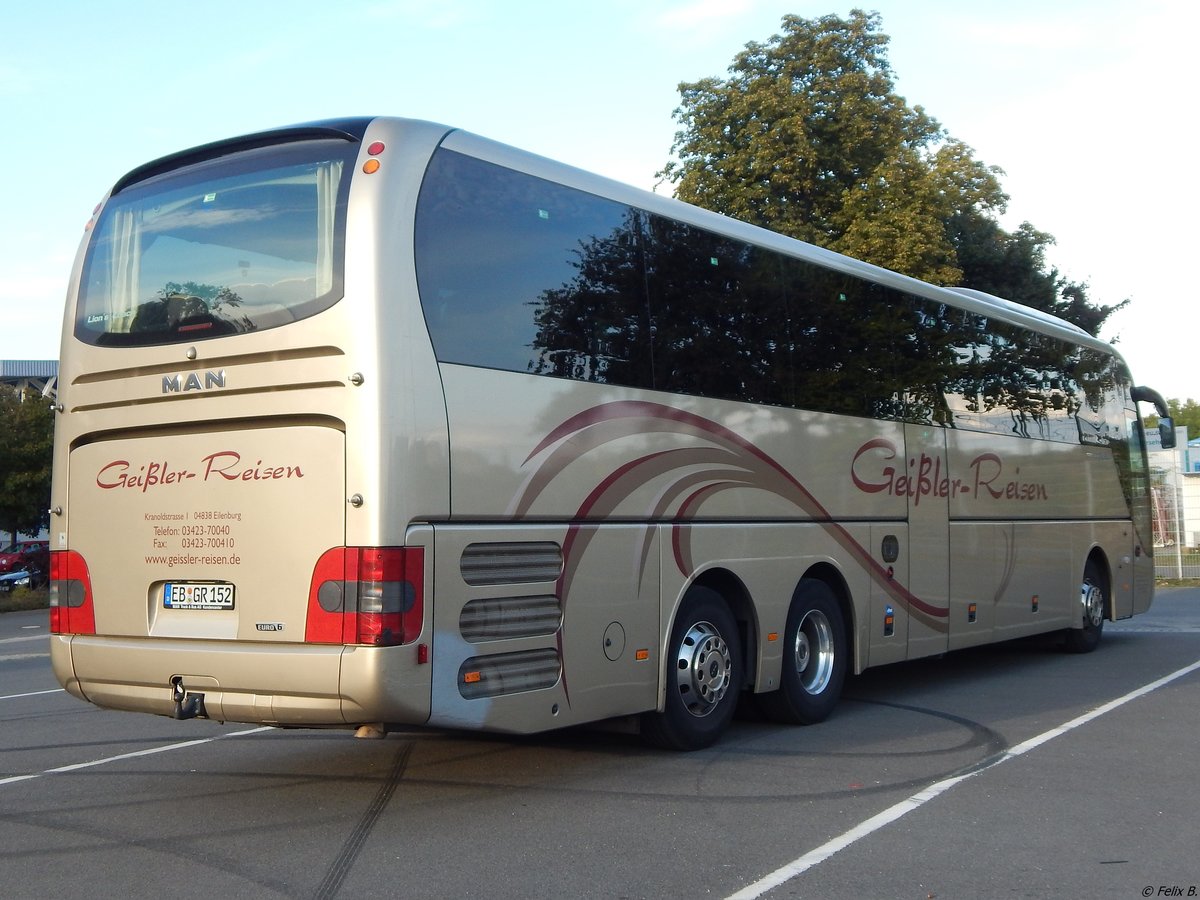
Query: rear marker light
367 595
375 148
91 223
71 609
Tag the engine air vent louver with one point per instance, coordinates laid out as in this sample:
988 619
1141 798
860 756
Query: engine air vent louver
511 563
508 673
503 618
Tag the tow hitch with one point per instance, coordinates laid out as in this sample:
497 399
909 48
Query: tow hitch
187 704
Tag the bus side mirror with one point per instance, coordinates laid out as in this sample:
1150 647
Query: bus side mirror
1166 425
1166 432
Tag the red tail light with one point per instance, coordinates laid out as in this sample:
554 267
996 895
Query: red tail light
71 610
367 595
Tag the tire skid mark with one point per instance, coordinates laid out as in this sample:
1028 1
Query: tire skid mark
336 874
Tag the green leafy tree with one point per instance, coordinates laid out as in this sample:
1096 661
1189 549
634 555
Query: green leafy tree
1013 265
808 137
26 449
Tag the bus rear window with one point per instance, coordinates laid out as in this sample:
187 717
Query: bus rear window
244 243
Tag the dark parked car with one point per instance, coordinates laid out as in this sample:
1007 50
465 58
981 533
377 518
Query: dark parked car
29 555
22 578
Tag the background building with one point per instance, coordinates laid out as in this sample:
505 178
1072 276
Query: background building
40 375
1175 476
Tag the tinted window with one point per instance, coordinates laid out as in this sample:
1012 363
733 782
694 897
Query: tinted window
844 332
719 317
522 274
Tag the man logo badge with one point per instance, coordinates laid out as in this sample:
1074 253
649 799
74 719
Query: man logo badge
190 381
269 626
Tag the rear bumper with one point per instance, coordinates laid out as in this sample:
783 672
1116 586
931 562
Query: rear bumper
258 683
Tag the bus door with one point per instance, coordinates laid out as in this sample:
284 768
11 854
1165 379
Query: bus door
928 489
1138 490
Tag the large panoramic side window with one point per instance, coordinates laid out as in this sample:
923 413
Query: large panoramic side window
843 334
521 274
720 324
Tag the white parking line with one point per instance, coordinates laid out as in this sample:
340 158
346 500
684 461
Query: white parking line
916 801
31 693
8 657
73 767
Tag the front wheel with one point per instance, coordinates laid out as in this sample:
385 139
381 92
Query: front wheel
703 672
1095 607
814 658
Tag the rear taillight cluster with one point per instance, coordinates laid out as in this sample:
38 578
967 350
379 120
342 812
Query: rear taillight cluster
71 610
367 595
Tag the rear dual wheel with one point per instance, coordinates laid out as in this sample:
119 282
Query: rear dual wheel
814 658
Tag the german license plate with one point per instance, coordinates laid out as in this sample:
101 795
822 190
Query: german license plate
197 595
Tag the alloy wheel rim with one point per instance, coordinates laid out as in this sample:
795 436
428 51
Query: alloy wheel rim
814 652
705 669
1093 604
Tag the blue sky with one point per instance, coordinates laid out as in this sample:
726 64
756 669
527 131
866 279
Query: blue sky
1085 105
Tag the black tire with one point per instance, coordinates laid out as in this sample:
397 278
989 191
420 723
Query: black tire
703 673
815 657
1093 594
